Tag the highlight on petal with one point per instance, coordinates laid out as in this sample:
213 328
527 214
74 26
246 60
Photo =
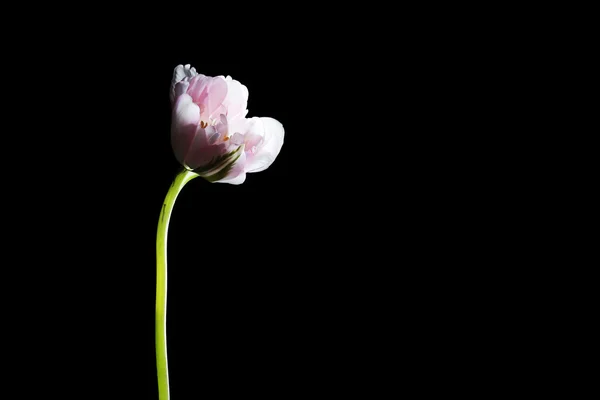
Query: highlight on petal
236 101
238 180
270 146
181 74
186 116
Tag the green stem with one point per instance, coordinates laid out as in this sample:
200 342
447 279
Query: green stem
161 282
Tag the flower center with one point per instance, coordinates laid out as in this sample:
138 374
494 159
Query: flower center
217 131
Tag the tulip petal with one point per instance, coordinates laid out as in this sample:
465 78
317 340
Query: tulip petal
237 99
222 167
186 116
236 174
237 139
201 152
269 148
181 88
198 86
238 180
183 71
181 74
239 125
217 91
208 93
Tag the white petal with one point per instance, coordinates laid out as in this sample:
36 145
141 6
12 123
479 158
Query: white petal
236 101
185 111
234 181
271 146
181 73
238 125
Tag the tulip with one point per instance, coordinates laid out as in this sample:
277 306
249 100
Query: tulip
210 133
212 138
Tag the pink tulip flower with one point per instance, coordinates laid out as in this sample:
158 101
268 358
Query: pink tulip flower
210 133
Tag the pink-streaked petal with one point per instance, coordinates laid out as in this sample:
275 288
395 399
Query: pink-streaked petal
209 94
197 88
186 116
269 148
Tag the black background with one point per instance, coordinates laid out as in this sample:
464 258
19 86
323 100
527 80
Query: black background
297 277
235 289
232 287
256 271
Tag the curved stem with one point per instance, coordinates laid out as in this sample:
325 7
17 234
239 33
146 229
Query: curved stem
161 282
